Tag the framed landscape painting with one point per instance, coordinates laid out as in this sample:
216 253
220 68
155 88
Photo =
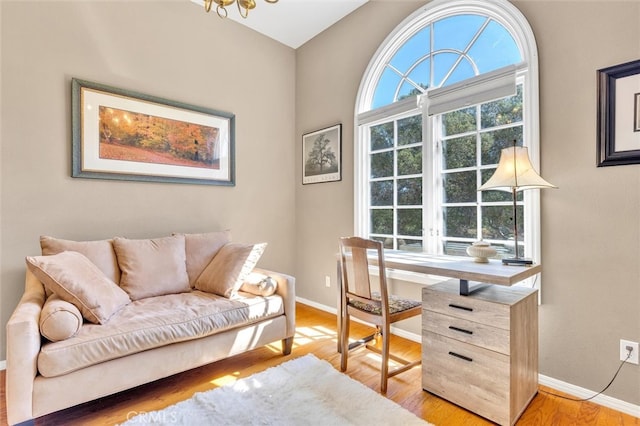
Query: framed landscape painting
322 155
124 135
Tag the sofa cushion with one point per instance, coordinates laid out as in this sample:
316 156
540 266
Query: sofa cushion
226 272
200 249
77 280
100 252
259 284
154 322
152 267
59 319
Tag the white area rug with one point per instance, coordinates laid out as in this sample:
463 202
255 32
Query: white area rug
304 391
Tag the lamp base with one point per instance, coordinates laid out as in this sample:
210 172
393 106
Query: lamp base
517 261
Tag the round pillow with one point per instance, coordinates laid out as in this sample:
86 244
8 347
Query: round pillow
259 284
59 320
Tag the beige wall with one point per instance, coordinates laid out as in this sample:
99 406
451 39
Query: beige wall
590 226
167 49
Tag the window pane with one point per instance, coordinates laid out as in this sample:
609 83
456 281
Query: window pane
456 31
382 136
410 161
410 245
508 249
412 50
382 164
382 193
382 221
410 191
410 130
386 242
460 121
410 222
459 152
460 187
455 248
386 88
497 222
460 222
495 48
503 111
494 142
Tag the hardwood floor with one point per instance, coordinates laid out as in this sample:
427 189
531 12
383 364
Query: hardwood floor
316 333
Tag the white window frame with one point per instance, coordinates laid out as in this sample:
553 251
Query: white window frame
526 73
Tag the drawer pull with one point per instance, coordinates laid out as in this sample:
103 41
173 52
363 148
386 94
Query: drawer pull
466 358
461 330
463 308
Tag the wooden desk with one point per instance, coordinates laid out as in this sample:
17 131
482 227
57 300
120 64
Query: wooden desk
480 342
461 268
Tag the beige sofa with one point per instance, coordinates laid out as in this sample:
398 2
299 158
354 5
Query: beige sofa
156 328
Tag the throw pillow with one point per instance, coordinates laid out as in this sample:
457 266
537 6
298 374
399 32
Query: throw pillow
226 272
99 252
259 284
152 267
200 249
75 279
59 320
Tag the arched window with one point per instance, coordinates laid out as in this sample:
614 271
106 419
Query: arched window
450 87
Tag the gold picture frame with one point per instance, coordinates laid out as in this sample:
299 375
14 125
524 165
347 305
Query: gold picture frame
124 135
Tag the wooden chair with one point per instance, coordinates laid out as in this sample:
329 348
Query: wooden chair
358 299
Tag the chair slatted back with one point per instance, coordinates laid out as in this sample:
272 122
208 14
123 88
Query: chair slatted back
356 278
361 284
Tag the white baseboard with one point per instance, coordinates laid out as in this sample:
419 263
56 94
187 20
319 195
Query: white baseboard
568 388
578 392
3 365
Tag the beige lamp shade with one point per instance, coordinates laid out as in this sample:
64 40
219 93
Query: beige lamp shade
515 172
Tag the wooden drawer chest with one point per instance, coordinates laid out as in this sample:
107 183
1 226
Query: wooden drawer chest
481 351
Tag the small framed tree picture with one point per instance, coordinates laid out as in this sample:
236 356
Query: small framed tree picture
322 155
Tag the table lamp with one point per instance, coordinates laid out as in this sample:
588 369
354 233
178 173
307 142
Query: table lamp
515 173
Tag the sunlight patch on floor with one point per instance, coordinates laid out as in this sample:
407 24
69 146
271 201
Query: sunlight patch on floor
306 335
225 380
274 347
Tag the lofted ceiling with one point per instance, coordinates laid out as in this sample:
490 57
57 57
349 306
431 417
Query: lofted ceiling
291 22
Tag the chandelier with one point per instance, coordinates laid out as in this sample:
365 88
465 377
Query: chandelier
244 6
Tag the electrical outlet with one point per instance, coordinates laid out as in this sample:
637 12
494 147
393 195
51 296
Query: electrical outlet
327 281
624 351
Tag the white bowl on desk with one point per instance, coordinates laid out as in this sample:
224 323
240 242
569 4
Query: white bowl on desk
481 251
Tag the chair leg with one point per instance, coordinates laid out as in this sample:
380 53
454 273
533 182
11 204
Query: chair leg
385 358
344 341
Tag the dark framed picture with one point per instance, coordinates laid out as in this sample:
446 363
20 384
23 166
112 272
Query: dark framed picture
322 155
619 115
636 114
123 135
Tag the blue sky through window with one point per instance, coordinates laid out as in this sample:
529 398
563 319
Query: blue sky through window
444 52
